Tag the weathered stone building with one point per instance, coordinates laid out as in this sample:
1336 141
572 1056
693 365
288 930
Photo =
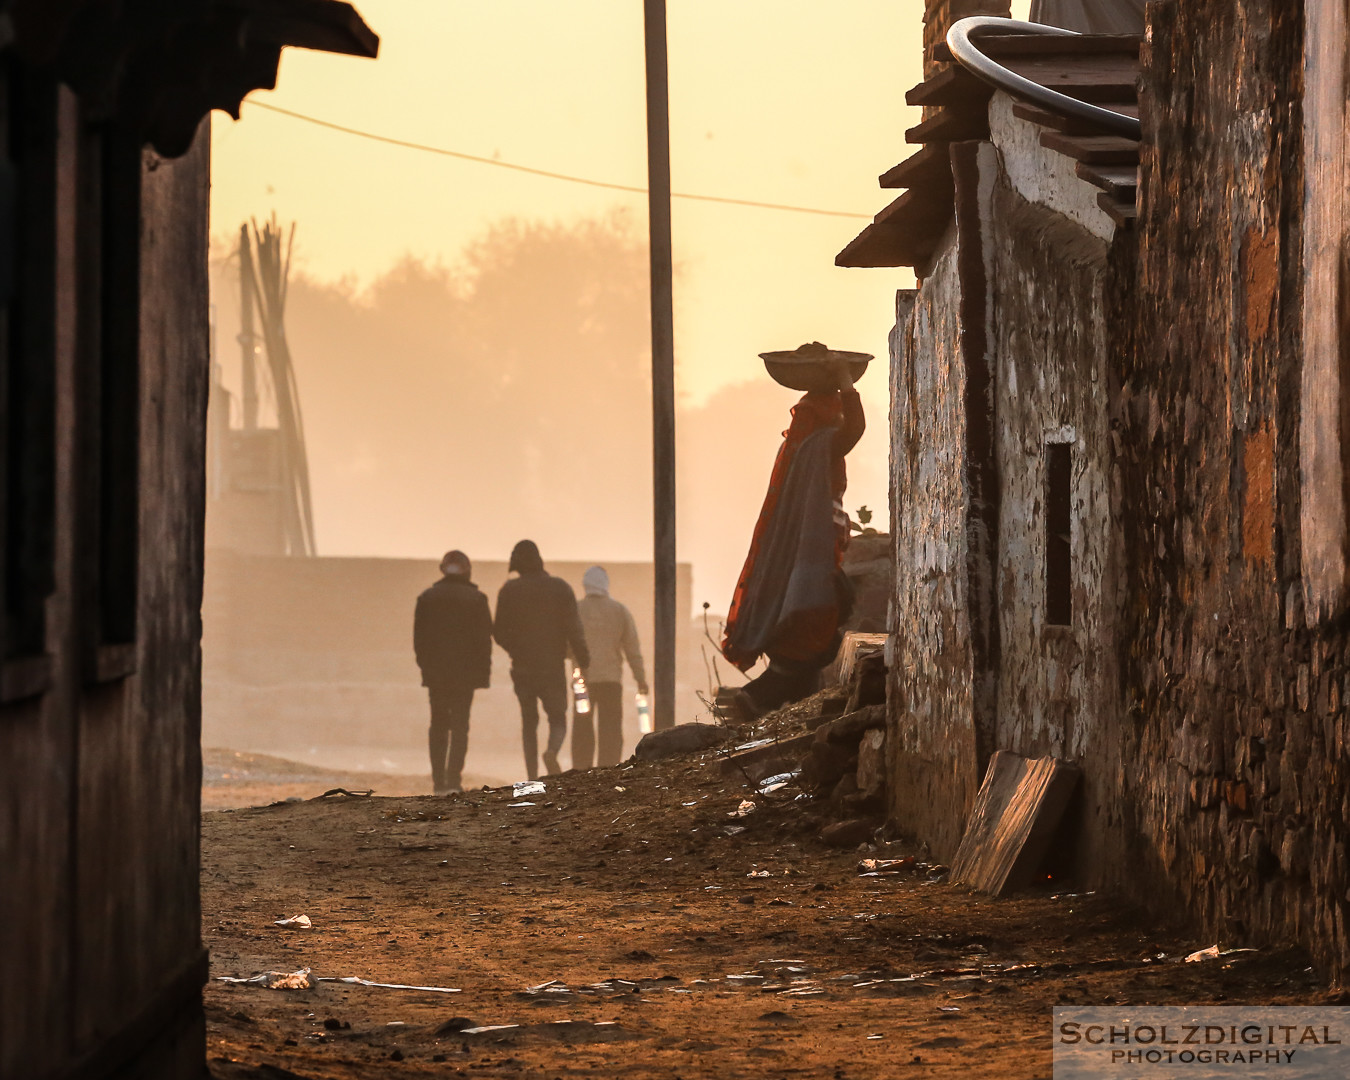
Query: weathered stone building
1119 458
104 181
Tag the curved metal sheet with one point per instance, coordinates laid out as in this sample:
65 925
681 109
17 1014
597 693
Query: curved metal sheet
1091 16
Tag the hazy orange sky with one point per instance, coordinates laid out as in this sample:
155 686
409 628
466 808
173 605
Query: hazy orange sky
789 101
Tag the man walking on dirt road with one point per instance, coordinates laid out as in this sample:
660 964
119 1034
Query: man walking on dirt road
536 624
611 637
452 638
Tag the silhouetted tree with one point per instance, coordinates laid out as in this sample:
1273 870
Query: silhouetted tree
558 315
472 405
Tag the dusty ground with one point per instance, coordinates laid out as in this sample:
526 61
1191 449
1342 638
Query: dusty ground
234 778
622 890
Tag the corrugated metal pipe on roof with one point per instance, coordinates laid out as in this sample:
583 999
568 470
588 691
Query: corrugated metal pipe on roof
1091 16
968 55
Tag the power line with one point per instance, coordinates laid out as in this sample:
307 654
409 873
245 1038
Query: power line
545 172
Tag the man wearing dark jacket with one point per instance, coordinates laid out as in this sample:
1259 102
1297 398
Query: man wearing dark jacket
452 638
536 624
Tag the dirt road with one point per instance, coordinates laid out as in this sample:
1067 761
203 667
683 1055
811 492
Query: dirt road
617 928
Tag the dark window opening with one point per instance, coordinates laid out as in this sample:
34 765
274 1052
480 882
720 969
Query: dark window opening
108 223
28 126
1058 526
119 389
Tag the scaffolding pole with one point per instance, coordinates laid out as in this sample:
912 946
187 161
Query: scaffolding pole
248 343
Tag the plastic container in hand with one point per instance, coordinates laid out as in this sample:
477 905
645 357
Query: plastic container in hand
644 711
581 700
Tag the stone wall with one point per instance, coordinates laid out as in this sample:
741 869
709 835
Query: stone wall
1056 683
1237 724
933 744
1203 697
1001 353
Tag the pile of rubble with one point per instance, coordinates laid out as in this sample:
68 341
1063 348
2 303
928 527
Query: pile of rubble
831 746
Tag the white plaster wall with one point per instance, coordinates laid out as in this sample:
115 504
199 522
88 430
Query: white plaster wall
1049 338
1044 176
932 669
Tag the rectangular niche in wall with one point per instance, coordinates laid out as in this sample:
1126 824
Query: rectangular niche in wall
1058 529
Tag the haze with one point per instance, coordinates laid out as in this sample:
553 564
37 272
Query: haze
434 421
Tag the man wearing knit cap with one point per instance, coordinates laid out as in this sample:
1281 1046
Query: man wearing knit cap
452 639
612 637
537 624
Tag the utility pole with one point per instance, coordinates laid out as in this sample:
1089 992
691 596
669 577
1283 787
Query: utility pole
248 343
663 359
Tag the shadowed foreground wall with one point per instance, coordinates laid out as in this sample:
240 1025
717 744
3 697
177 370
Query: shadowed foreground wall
101 961
1237 710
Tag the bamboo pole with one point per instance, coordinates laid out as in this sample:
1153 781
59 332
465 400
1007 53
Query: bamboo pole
663 360
270 287
248 342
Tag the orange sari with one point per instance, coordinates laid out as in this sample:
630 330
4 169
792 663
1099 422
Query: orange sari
805 635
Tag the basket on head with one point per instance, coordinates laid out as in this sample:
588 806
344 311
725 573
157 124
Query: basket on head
807 367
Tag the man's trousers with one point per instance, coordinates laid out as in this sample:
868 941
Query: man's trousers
448 737
607 710
550 690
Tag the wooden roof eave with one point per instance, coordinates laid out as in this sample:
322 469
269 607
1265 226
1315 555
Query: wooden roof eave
1098 68
905 233
930 164
322 25
953 85
237 51
157 68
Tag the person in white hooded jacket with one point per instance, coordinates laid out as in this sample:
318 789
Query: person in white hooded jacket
611 637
